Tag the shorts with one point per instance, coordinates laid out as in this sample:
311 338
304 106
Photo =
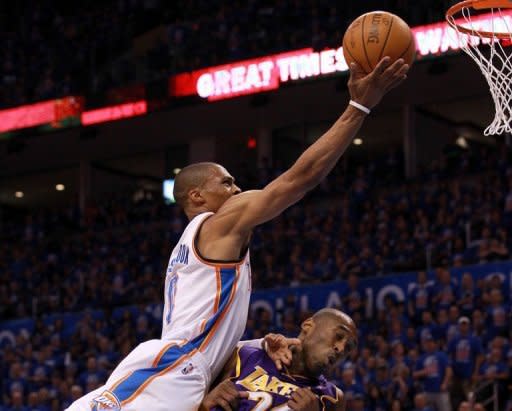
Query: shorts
157 375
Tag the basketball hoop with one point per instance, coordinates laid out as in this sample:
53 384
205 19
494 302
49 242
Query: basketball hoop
485 37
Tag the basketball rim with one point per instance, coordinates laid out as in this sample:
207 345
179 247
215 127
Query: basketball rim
479 5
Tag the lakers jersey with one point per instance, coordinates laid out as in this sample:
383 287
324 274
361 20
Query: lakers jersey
206 303
268 387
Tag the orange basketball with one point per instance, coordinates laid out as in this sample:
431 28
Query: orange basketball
375 35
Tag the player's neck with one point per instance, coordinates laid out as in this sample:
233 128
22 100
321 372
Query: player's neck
192 213
298 365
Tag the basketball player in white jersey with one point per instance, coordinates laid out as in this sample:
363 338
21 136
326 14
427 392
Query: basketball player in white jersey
208 283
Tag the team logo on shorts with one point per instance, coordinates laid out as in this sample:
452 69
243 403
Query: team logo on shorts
187 369
106 401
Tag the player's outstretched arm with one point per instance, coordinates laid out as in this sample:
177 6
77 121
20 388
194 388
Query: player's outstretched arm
244 211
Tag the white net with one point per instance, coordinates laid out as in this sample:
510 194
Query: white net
486 39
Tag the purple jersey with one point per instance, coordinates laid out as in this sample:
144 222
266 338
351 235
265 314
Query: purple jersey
257 374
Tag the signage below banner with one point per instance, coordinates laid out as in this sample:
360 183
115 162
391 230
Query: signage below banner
376 289
103 115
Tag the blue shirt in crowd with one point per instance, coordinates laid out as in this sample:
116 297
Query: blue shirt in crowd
436 364
463 352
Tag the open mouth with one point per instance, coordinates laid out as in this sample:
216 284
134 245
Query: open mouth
332 359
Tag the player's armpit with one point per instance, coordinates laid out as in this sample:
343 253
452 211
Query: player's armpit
229 369
223 392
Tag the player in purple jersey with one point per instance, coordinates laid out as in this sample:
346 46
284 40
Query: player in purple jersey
251 381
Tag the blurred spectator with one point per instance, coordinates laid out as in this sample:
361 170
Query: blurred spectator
467 406
420 403
497 314
350 387
495 369
468 295
435 372
419 298
466 353
445 290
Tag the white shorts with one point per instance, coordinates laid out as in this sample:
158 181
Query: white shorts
157 375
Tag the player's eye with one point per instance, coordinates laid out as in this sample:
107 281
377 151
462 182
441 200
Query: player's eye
350 346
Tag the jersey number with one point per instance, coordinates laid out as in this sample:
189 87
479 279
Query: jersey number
171 294
265 401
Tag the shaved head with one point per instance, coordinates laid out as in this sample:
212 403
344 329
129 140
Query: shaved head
190 177
346 322
327 337
333 314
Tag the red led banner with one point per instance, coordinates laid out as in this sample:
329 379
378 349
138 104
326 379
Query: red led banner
27 116
112 113
256 75
234 79
267 73
47 112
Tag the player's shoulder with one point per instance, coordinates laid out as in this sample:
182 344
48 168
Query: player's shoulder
332 396
245 352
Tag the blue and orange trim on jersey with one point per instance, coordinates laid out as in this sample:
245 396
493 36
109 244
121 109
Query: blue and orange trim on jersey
172 355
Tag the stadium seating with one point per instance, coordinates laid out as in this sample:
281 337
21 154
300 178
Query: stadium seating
53 50
94 284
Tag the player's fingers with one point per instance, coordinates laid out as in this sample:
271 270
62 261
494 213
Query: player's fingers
382 66
279 365
395 83
308 393
403 70
275 340
224 404
298 395
294 405
397 77
356 71
287 357
231 393
293 341
393 69
243 394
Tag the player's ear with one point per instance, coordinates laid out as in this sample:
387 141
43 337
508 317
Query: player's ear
195 196
307 326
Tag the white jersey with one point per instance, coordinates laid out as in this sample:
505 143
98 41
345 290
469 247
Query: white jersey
205 314
206 302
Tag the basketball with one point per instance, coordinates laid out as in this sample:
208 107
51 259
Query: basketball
375 35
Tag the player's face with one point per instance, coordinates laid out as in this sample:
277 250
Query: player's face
329 341
218 188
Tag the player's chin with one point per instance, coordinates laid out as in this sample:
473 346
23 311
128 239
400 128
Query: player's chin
325 367
331 364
